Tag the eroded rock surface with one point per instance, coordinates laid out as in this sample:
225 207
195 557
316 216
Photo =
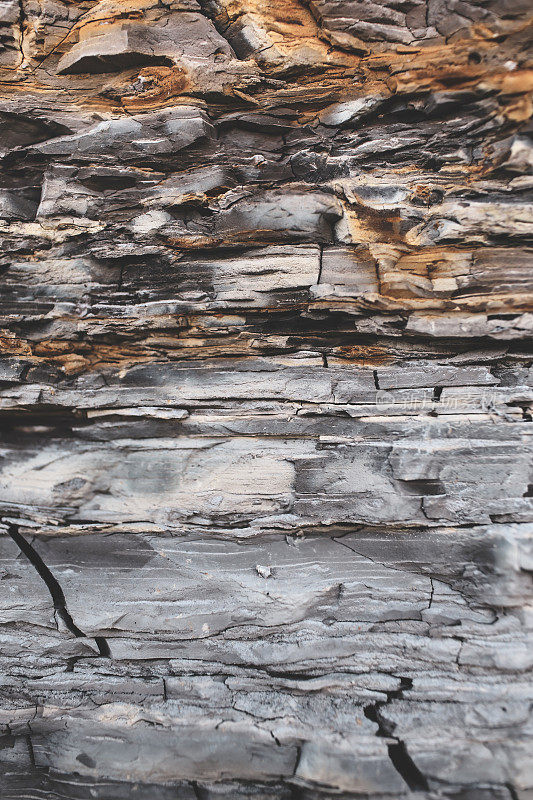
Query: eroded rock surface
266 493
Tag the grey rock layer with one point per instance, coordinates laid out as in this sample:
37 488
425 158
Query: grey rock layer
266 486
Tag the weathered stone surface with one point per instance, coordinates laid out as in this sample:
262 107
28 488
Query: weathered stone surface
266 488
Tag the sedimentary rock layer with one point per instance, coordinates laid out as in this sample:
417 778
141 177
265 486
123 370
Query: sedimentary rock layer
266 494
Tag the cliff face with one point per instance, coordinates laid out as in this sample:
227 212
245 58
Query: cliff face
265 397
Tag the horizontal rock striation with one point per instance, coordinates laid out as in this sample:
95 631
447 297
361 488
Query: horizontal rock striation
266 494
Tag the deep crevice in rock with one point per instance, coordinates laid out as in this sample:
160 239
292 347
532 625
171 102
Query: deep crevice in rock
56 592
398 754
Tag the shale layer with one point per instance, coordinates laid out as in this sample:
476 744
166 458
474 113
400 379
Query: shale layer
266 399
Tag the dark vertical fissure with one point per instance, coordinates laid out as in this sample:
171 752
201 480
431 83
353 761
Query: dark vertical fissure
56 592
398 754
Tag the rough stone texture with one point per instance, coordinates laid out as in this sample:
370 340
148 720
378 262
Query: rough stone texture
266 494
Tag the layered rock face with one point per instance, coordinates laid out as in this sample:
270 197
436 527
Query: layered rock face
265 399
